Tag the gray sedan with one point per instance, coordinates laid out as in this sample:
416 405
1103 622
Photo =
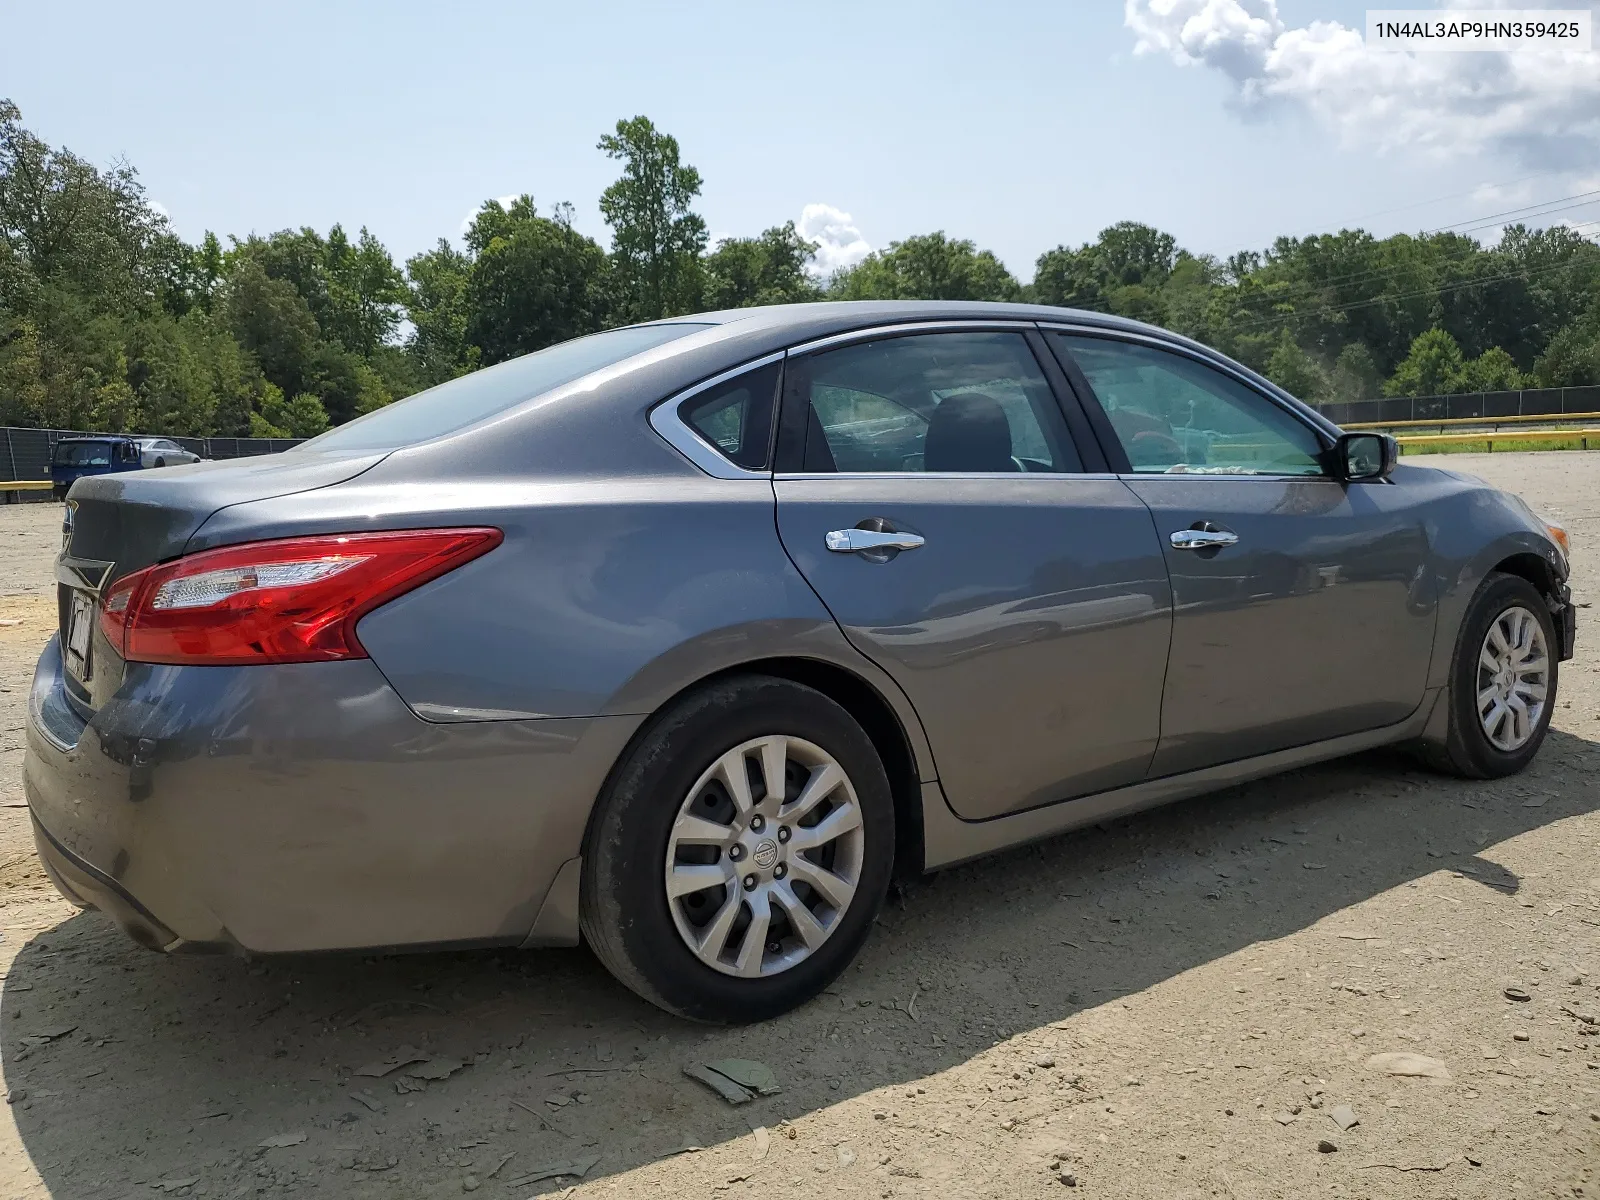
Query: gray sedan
684 638
164 452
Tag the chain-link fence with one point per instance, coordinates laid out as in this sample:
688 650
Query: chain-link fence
1552 402
26 453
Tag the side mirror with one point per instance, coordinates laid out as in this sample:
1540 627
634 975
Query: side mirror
1364 457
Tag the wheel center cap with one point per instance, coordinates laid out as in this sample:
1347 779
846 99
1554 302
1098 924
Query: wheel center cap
765 853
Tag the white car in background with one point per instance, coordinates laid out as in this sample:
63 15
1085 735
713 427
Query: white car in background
163 452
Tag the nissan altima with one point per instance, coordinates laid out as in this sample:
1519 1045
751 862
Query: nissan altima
683 639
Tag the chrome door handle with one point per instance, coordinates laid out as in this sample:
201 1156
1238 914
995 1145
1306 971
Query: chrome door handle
851 541
1203 539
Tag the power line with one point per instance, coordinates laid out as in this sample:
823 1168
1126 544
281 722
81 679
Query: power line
1525 211
1310 287
1383 212
1329 310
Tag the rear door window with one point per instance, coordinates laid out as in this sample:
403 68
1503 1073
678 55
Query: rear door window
959 403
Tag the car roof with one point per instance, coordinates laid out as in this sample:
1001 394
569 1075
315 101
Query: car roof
849 314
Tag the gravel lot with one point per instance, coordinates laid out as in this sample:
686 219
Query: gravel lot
1182 1004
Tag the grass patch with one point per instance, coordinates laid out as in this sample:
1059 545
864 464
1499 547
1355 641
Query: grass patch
1501 445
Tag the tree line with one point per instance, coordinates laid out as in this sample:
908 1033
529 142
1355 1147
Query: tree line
109 320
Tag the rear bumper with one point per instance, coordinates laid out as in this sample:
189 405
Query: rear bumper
304 807
88 887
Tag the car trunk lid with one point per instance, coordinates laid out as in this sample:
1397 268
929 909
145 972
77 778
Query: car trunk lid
120 523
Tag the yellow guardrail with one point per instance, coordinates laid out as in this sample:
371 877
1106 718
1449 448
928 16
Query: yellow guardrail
1583 436
1443 421
24 485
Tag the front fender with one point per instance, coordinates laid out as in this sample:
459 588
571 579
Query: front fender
1473 532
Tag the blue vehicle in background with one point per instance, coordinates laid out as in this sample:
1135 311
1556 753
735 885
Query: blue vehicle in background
76 457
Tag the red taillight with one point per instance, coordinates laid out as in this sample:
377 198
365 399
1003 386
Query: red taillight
293 600
114 609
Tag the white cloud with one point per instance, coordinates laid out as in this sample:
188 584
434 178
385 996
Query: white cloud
1540 108
839 242
158 208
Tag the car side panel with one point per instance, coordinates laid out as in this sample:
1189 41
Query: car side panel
1030 631
606 598
1319 622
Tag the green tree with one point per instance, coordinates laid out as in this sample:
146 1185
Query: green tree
1492 371
534 282
67 224
1295 371
929 266
769 269
1355 374
1572 359
438 310
1070 279
656 238
301 417
366 292
1434 367
271 320
1132 253
1138 303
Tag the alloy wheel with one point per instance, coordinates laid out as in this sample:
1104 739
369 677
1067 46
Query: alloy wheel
1513 679
764 856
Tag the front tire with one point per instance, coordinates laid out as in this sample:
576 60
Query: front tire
1502 682
739 852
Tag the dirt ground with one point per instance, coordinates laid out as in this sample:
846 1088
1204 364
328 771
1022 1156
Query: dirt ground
1182 1004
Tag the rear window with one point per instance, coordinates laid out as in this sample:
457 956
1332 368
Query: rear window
482 394
83 454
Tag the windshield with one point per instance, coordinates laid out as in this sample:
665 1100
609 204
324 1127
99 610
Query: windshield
83 454
472 398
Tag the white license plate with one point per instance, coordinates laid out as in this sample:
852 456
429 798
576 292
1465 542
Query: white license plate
79 627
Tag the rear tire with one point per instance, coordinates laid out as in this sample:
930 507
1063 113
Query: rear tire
1516 682
658 825
161 462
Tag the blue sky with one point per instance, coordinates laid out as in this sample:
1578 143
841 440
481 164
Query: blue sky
1020 125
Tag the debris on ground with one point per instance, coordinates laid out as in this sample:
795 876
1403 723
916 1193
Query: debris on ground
688 1144
1403 1062
45 1036
279 1140
436 1068
402 1057
736 1080
576 1168
1344 1116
